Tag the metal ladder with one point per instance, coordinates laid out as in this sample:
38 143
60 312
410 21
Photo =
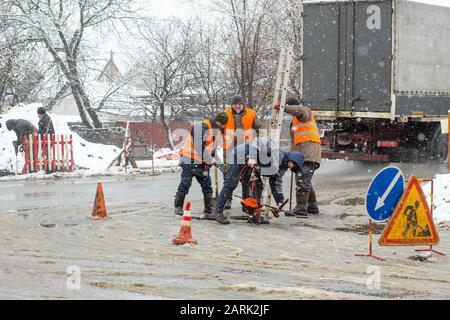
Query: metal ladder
279 97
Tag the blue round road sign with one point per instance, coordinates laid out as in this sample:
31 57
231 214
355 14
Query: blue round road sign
384 193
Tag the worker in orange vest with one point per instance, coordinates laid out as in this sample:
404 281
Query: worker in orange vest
240 129
197 156
306 139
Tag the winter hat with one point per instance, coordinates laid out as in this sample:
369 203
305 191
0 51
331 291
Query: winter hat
41 110
293 101
237 98
11 124
222 118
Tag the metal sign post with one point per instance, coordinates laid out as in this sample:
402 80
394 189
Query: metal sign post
383 194
370 254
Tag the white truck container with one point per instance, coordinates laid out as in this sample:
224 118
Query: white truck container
378 73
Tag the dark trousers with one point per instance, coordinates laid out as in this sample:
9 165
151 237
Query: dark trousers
304 177
231 182
201 174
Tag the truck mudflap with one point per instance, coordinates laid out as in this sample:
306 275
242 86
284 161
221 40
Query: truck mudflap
355 156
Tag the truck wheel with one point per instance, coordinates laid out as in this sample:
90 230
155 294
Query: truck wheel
437 146
441 149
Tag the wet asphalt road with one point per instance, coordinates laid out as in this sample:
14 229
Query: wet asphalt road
148 190
44 229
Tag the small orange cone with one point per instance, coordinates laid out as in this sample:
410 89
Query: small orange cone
185 235
99 210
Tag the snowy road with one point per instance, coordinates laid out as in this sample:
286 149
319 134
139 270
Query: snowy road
44 229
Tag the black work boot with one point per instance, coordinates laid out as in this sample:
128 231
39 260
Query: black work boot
208 203
179 201
301 209
313 208
220 218
228 204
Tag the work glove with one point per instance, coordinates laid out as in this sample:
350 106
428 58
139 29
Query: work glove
224 168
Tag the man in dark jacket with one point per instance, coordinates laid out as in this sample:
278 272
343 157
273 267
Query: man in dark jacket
197 156
45 122
22 128
271 161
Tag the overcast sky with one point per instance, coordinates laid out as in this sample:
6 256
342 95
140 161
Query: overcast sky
181 9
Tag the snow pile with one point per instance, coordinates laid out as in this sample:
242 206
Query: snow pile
441 199
90 158
163 158
87 155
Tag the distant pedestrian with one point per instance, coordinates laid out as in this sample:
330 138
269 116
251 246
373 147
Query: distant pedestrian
22 128
45 122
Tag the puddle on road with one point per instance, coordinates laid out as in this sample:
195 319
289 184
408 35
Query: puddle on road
54 225
355 201
243 271
41 194
363 229
420 258
345 215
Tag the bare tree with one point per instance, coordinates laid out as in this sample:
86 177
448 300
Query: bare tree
21 71
250 46
210 86
163 68
291 31
61 26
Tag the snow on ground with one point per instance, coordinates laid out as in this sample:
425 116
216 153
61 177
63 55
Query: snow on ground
90 158
441 199
163 158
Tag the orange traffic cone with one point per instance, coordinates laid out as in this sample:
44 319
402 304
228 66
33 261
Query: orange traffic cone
99 210
185 235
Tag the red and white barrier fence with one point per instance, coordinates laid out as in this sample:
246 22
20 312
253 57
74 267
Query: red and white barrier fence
48 152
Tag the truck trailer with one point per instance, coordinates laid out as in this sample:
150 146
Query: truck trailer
376 74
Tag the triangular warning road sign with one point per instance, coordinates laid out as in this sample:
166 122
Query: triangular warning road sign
412 223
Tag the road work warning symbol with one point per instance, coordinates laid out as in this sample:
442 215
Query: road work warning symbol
411 223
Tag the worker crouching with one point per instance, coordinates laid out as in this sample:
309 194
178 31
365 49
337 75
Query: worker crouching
197 156
248 163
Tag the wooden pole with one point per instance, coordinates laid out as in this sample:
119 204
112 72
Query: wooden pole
153 156
290 197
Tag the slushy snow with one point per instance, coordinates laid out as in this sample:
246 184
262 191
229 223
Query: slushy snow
89 157
441 197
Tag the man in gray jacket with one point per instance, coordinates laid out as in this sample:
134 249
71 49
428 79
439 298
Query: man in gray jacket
22 128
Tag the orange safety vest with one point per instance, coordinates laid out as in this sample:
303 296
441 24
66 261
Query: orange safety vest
248 122
303 131
188 149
